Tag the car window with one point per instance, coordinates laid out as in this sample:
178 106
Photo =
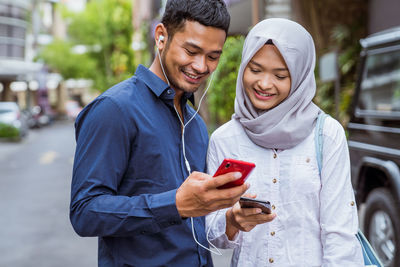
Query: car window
6 109
380 88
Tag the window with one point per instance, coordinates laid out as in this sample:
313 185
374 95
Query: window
4 10
17 51
17 32
12 11
3 50
380 88
17 12
3 30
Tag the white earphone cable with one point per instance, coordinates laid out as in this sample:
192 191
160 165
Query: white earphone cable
218 252
162 67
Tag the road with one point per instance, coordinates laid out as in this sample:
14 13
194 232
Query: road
35 177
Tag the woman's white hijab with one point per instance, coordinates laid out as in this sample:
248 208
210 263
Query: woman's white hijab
292 120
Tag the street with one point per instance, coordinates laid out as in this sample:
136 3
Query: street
35 177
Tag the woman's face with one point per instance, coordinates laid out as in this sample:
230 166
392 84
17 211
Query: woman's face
266 78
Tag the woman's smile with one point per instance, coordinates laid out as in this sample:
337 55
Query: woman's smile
262 95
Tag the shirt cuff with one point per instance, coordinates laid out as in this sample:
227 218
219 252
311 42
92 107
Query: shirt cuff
220 239
227 244
163 207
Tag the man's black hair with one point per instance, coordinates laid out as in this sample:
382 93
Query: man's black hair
212 13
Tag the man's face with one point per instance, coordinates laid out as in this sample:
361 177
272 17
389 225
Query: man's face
192 55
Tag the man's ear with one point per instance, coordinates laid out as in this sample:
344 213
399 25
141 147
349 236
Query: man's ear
160 36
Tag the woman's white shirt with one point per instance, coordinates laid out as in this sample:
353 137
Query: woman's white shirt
316 218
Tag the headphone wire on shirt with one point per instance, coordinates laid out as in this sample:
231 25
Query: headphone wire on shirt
218 252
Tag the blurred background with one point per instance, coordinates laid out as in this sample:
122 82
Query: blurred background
58 55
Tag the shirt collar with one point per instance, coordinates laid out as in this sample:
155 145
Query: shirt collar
156 85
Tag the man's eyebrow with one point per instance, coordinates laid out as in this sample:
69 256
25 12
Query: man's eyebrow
260 66
193 45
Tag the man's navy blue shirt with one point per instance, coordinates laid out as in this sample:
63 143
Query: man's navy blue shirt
128 165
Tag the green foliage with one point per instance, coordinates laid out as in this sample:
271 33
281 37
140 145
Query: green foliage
59 57
105 28
345 39
221 99
8 131
144 54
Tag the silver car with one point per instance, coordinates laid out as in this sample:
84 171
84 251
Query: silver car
12 121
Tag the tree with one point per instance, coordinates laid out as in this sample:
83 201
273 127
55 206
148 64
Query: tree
335 25
345 40
223 90
105 29
59 57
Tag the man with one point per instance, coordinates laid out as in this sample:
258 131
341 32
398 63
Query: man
131 186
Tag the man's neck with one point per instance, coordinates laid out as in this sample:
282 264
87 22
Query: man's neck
157 70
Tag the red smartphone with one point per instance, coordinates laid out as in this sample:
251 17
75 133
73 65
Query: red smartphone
233 165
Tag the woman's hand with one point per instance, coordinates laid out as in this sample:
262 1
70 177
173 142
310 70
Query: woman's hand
244 219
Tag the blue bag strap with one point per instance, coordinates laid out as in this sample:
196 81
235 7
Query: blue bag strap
370 257
319 138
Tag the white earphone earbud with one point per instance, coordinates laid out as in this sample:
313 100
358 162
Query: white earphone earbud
161 38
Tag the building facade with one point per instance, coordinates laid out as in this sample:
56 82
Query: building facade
14 65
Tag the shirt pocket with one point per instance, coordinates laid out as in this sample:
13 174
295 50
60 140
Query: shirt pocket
303 178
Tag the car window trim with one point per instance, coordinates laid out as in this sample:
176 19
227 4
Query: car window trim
362 113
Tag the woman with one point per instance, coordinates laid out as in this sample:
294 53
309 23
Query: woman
314 218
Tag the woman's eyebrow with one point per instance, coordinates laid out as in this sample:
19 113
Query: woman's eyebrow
255 63
260 66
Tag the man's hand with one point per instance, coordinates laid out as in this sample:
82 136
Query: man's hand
245 219
199 195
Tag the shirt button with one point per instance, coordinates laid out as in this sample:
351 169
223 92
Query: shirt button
169 91
275 155
271 260
352 203
272 233
274 181
308 160
273 207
